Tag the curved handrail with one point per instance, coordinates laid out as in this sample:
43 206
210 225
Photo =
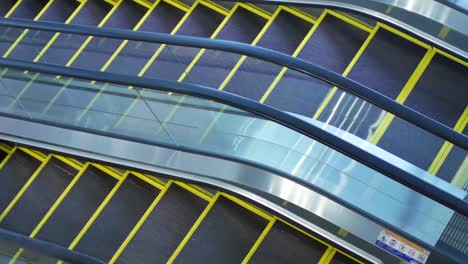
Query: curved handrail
268 55
46 248
378 164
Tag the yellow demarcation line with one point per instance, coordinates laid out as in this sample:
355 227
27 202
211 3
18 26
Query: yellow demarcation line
354 21
151 181
195 190
259 241
52 209
247 206
8 157
405 36
20 38
193 228
68 162
24 188
5 148
34 153
214 6
178 5
447 148
140 223
13 8
200 189
107 170
462 174
228 77
159 51
97 212
256 10
328 256
77 53
145 3
348 69
295 54
404 93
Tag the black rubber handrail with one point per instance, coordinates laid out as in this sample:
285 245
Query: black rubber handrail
354 152
46 248
268 55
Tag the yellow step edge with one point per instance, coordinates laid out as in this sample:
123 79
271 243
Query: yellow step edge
8 157
155 179
33 153
348 69
179 5
98 211
247 206
450 56
5 148
194 190
24 188
327 256
202 190
144 3
298 50
193 228
346 255
214 6
150 181
107 171
259 241
351 20
304 232
111 2
111 59
23 34
256 10
447 147
13 8
404 35
300 14
139 224
403 95
67 161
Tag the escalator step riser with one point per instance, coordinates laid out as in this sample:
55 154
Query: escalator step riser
165 227
332 45
39 197
14 174
284 244
278 37
117 219
225 235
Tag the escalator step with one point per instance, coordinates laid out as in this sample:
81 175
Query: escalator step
173 60
35 40
6 6
39 197
165 227
385 66
117 219
214 66
63 48
225 235
14 174
77 207
279 37
454 162
332 46
440 94
99 50
134 56
284 244
28 9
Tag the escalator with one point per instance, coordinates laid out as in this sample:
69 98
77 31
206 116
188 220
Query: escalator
119 214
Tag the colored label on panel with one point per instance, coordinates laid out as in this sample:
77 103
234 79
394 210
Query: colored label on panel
402 248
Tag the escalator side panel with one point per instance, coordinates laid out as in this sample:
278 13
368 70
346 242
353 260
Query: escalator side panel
439 94
35 40
173 60
77 207
14 174
164 228
117 219
214 66
225 235
393 60
39 197
63 48
133 57
333 45
279 37
99 50
283 244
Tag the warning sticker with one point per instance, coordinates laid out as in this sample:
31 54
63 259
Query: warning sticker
402 248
